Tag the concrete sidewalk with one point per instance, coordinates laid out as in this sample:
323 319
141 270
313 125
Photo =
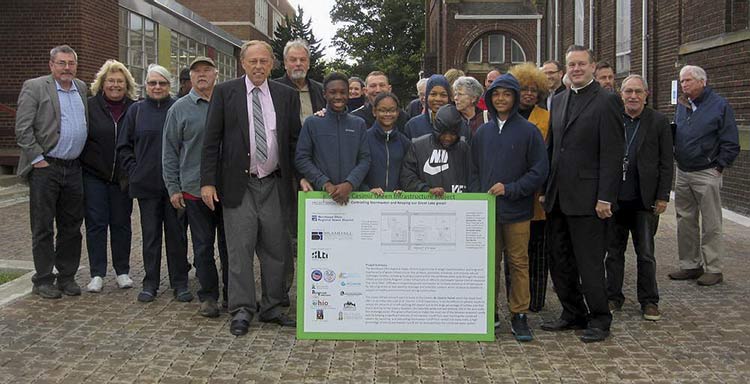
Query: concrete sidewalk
703 337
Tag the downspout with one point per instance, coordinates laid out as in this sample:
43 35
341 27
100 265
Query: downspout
591 25
538 42
557 29
644 39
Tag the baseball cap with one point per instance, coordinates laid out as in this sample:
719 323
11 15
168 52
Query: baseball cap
202 59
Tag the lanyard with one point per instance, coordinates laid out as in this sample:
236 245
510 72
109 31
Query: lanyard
632 139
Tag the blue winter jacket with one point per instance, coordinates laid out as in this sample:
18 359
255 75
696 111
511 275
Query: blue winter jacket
387 151
139 147
515 157
707 137
333 148
422 125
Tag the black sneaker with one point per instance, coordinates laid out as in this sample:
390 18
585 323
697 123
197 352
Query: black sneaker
47 291
147 296
69 288
183 295
209 308
520 327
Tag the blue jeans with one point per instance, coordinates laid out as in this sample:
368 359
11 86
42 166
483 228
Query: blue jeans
107 206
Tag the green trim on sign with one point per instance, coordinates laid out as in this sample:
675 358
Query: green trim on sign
302 271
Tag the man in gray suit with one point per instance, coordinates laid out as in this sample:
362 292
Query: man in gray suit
51 131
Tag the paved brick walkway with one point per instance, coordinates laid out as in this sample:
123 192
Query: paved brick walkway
704 337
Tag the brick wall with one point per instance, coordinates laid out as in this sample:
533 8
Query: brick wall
31 28
672 23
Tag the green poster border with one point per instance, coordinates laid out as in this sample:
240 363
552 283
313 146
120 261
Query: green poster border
302 272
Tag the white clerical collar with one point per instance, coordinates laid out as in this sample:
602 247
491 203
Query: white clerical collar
576 90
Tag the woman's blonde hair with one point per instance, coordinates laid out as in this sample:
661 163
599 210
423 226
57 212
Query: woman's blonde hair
115 66
528 74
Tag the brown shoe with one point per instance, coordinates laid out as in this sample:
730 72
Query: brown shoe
710 279
686 274
651 312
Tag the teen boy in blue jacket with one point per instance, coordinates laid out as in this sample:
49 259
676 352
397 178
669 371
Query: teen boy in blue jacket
332 151
510 162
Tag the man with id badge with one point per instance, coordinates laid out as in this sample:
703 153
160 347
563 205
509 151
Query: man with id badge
643 196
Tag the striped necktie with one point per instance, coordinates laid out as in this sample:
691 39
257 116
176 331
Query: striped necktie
261 147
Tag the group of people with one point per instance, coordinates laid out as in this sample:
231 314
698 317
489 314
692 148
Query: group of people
574 170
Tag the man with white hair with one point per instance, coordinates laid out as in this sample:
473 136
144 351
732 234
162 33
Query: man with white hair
706 142
297 63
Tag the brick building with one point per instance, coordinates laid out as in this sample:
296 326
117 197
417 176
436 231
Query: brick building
653 38
136 32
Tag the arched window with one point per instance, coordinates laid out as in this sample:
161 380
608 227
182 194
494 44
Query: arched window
517 55
475 53
496 51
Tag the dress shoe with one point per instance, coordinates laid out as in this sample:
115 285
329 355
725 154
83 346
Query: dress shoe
686 274
593 335
69 288
46 291
282 320
708 279
563 325
239 325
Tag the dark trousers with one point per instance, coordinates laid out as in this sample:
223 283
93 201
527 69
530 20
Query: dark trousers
157 214
56 200
642 224
205 226
538 267
107 207
576 246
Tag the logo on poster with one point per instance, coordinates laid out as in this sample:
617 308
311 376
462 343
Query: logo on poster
319 314
350 283
316 235
319 303
350 306
316 275
329 276
319 255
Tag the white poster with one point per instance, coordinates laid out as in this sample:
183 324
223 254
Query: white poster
405 266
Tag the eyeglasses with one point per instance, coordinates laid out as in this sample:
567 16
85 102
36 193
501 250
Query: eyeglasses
254 62
460 94
114 81
154 83
631 91
528 89
63 64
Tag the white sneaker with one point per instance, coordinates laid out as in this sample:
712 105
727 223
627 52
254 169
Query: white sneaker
95 286
124 281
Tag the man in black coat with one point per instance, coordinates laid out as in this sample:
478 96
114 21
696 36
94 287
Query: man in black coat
376 83
247 161
643 196
585 149
297 63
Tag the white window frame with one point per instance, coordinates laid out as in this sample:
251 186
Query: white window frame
580 17
261 16
480 46
140 46
490 48
514 42
278 19
622 36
